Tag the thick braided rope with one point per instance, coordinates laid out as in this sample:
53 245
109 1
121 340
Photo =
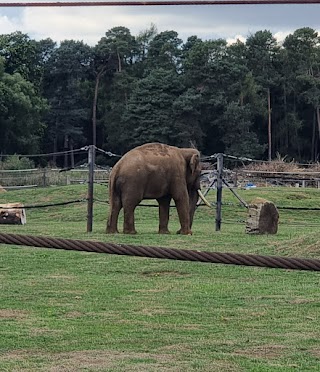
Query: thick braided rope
164 253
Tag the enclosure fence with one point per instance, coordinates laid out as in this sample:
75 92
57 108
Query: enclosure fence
218 178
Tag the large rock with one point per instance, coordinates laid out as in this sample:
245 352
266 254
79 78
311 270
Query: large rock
263 217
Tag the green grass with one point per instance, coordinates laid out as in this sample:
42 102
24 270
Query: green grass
76 311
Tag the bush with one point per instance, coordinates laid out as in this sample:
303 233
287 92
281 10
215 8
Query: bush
15 162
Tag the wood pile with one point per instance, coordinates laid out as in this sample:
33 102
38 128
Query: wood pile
12 214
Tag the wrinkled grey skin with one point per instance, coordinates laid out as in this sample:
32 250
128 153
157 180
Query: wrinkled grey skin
155 171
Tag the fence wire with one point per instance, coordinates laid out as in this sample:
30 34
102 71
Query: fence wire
35 206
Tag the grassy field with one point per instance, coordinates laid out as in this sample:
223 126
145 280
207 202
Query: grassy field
75 311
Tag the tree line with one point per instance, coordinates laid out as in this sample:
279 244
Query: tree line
258 98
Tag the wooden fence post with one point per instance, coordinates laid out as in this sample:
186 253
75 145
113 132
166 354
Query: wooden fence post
219 190
91 161
44 177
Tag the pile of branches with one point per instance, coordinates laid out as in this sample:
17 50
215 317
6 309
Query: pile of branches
280 164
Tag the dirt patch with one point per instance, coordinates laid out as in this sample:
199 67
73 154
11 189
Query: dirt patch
98 360
73 315
300 196
16 355
219 366
315 352
153 311
192 327
306 246
44 331
263 351
176 348
298 301
12 314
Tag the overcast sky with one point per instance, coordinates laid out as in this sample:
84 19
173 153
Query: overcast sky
207 22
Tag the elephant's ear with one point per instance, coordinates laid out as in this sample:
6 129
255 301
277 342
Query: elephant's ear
194 162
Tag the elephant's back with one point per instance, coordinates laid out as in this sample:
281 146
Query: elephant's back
151 153
148 153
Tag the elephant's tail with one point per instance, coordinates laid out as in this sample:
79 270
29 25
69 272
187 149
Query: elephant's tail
114 191
115 205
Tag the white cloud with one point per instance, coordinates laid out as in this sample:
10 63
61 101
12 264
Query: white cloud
207 22
281 35
8 25
60 24
235 39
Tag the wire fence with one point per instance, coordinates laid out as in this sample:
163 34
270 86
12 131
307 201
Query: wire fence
49 176
303 174
43 177
15 179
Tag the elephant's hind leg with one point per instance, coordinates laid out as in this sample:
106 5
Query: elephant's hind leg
164 209
129 205
128 224
112 224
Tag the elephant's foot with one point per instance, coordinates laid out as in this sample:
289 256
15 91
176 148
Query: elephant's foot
129 231
112 230
184 232
164 231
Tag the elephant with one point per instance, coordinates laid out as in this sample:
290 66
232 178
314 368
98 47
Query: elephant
155 171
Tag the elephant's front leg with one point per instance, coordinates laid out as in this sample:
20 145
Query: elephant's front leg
182 204
164 209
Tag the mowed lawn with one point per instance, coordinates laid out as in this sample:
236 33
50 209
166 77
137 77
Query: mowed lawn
78 311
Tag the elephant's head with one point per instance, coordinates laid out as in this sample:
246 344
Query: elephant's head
193 170
193 173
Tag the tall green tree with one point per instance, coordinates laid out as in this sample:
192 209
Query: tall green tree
115 55
262 53
238 137
66 73
143 39
118 47
203 71
150 113
302 51
25 55
187 119
165 51
21 114
221 75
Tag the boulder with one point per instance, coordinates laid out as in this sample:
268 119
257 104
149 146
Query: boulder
263 217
